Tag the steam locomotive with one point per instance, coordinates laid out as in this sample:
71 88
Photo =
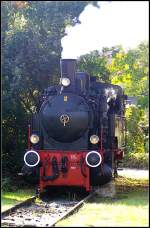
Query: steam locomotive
76 137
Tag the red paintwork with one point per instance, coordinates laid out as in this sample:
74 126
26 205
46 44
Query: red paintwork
73 177
101 139
118 154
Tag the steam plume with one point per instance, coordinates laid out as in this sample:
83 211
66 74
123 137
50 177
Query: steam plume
114 23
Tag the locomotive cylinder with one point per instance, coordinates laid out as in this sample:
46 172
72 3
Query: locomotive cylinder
67 67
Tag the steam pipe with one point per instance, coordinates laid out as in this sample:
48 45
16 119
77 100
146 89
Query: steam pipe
29 134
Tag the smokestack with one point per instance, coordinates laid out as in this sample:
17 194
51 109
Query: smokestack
68 67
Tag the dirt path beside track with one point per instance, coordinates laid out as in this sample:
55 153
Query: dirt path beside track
134 173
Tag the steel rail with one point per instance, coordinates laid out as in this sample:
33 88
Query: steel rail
18 205
77 206
32 199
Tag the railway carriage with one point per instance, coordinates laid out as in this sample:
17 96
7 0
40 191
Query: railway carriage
77 135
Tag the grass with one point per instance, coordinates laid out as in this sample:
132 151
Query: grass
128 208
125 184
9 199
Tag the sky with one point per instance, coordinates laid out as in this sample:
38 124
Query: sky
114 23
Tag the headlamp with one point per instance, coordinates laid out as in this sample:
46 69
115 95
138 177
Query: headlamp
94 139
65 81
34 138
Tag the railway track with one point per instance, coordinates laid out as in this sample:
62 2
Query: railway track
41 213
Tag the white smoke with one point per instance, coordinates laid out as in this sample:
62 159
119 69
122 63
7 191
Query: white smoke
114 23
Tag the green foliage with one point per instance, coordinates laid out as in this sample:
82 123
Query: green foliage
6 184
136 160
137 135
130 70
95 64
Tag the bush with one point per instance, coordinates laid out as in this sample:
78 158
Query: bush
6 184
136 160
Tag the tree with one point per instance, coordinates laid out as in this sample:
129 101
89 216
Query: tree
95 64
130 70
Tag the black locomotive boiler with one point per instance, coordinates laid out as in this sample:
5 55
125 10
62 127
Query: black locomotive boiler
76 137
